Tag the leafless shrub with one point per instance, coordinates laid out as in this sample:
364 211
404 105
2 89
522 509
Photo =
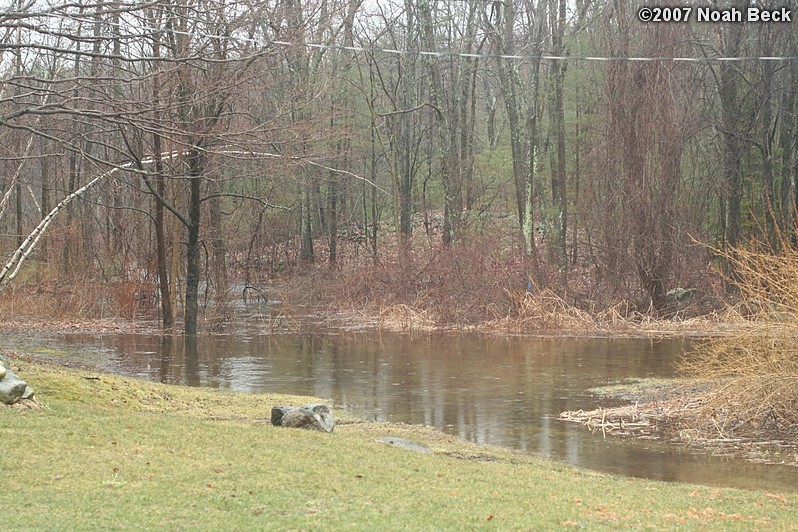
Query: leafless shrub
450 285
482 283
754 371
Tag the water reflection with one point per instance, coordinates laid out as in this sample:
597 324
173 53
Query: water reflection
501 391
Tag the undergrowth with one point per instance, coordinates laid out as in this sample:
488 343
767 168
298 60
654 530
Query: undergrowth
78 299
754 372
485 283
441 285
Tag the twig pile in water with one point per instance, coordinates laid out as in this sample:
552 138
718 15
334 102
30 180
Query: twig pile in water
646 421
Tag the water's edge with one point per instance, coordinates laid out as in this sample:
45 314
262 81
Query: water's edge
490 390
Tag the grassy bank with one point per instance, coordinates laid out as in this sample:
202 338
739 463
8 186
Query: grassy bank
113 452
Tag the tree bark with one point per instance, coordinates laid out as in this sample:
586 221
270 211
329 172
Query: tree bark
195 170
167 311
306 231
559 190
730 79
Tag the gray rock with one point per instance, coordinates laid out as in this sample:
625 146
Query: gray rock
313 417
406 444
277 414
28 393
11 390
681 294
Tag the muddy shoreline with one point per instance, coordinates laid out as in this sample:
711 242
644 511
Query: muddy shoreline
669 410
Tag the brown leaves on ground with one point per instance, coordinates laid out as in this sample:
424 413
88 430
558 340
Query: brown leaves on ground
79 325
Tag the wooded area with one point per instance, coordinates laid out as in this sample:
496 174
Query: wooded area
168 150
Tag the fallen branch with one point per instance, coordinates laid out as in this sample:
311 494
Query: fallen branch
29 244
631 420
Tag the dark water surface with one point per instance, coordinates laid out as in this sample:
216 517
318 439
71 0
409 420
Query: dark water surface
501 391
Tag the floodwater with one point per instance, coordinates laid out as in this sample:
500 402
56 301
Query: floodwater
491 390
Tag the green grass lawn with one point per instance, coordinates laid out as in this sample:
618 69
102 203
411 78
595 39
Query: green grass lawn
114 452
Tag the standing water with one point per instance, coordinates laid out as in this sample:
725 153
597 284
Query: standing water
500 391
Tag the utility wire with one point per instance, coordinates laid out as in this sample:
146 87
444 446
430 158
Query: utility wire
421 53
523 57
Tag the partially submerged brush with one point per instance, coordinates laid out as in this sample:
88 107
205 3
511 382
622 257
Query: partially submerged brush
755 380
754 371
405 318
540 311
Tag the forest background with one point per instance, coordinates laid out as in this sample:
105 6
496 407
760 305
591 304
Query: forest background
459 158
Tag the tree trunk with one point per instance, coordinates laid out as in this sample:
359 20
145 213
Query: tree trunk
768 185
523 135
45 198
559 218
332 193
730 79
167 311
18 191
787 142
448 149
306 213
195 170
218 245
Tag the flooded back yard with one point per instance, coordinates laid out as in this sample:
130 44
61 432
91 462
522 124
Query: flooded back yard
490 390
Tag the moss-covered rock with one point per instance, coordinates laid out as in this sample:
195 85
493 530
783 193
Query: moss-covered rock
12 388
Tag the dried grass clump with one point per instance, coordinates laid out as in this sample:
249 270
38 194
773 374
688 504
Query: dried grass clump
545 311
754 371
619 320
405 318
647 421
540 311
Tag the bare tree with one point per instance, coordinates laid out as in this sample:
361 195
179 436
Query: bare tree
521 103
645 133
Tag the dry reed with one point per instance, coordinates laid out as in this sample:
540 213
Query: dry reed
538 312
405 318
754 370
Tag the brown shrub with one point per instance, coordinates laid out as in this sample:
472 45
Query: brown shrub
449 285
754 371
78 299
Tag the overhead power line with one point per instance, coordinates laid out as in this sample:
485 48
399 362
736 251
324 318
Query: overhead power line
409 52
522 57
